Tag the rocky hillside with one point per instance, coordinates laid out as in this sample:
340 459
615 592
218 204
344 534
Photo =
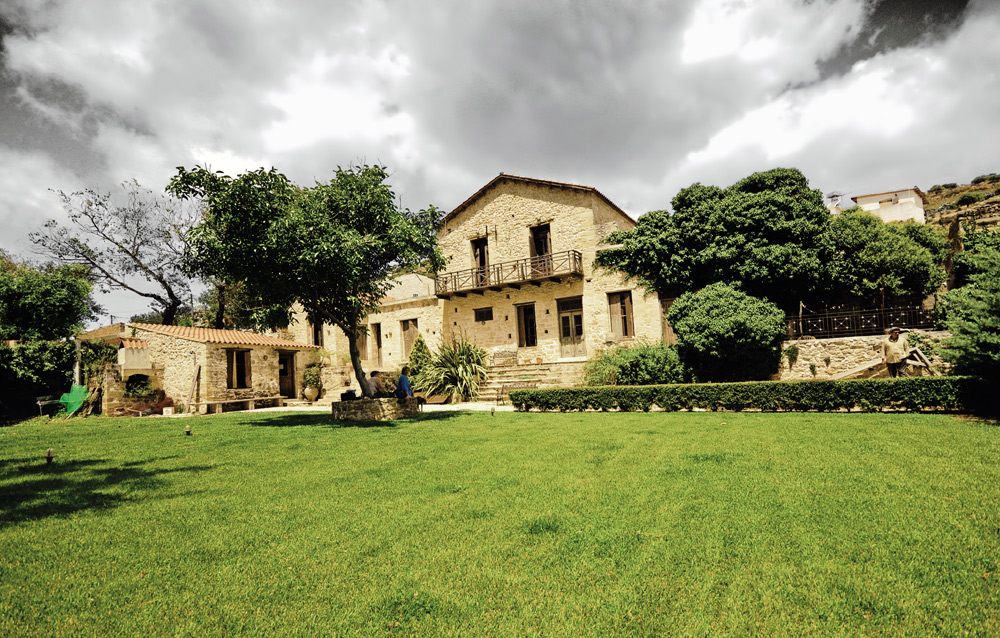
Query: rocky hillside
979 200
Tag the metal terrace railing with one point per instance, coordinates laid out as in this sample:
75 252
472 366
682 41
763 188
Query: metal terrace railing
853 323
554 266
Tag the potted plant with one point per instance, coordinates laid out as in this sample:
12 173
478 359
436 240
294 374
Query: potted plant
311 380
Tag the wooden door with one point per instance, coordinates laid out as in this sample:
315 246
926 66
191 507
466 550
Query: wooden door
481 260
286 374
571 343
409 329
376 344
541 251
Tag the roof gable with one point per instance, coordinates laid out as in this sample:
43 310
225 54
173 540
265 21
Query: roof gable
503 177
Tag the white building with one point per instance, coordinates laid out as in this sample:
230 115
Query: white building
895 206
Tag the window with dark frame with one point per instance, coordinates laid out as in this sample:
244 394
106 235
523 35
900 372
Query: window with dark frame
484 314
318 334
527 335
620 307
237 369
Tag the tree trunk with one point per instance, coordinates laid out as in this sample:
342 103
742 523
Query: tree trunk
359 373
220 307
170 312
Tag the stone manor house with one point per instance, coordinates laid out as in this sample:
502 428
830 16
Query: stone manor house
520 281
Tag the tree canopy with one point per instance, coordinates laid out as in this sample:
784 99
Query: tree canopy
874 259
332 248
124 243
973 317
724 334
767 234
45 302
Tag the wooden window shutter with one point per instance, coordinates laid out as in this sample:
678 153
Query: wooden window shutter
627 327
246 369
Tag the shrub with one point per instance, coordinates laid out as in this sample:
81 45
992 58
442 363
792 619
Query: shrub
909 394
313 375
138 387
459 368
726 335
33 369
950 185
643 364
974 320
991 177
969 199
420 355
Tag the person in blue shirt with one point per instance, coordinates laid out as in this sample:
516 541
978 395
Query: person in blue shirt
403 385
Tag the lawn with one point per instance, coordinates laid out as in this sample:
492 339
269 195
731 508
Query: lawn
460 524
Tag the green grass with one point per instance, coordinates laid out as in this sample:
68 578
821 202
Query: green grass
657 524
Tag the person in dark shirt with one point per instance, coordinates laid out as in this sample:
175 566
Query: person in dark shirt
403 389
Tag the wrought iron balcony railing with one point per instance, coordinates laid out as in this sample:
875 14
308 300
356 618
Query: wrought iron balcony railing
854 323
510 274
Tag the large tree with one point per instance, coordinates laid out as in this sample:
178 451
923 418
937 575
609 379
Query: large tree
875 261
43 302
332 248
768 235
134 242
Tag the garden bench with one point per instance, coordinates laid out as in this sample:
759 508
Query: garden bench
215 405
432 399
519 385
505 357
44 401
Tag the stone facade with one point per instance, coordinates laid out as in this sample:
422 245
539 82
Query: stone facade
173 353
375 409
502 215
845 354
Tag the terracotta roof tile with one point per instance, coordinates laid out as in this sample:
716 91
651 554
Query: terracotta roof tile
134 343
211 335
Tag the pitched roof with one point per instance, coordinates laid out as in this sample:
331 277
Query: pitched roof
902 190
539 182
212 335
103 332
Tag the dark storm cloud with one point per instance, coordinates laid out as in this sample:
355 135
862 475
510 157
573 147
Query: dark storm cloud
892 24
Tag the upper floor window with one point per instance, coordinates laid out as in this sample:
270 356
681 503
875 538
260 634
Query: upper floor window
317 335
483 314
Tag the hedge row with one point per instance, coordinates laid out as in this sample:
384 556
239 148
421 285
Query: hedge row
954 394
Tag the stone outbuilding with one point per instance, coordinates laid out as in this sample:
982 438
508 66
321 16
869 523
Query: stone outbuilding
206 363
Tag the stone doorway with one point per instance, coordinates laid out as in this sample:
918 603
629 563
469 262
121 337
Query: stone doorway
286 374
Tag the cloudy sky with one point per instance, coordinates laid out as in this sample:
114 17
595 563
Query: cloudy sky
637 99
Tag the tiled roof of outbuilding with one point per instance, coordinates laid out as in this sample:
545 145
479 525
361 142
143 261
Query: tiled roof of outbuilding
212 335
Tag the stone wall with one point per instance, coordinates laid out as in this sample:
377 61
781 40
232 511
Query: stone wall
375 409
578 220
178 359
113 399
845 354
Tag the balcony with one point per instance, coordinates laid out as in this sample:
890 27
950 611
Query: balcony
510 274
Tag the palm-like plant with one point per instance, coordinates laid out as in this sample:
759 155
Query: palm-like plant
459 368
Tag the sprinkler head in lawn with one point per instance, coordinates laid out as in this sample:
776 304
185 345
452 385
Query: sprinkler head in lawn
187 430
50 455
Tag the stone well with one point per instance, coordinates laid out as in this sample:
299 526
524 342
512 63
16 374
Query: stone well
375 409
